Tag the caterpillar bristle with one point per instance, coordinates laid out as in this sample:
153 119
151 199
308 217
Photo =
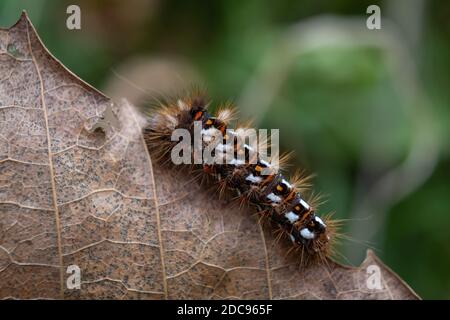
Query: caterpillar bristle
301 180
226 113
283 161
239 175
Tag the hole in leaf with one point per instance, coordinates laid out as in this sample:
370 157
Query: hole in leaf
12 50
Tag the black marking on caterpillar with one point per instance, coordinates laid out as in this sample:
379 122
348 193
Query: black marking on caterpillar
273 196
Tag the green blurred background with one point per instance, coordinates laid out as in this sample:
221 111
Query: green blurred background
367 111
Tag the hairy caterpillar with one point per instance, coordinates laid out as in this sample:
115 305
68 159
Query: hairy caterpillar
251 178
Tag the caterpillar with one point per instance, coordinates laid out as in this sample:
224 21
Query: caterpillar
248 176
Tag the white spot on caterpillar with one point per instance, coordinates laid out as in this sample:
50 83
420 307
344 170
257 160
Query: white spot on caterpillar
304 204
319 221
292 217
265 163
248 147
253 179
305 233
237 162
273 197
286 183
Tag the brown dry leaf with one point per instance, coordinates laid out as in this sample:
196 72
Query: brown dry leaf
71 197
